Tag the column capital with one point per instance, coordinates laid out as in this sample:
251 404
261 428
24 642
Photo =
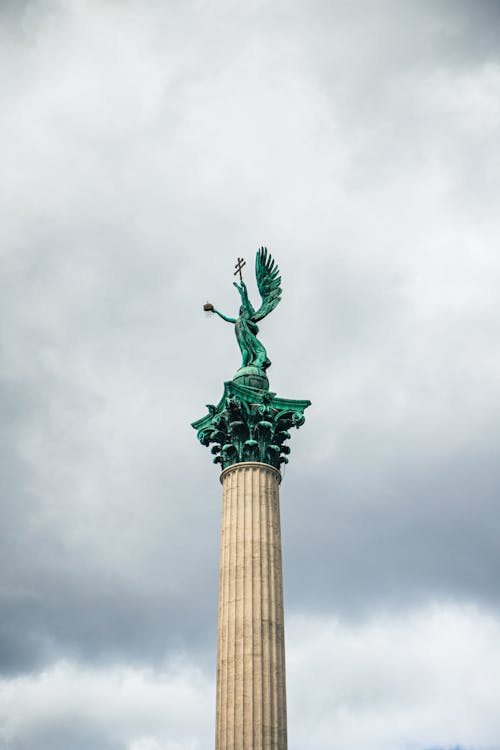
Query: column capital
250 425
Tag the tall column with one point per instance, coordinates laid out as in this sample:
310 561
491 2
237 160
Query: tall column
251 693
247 433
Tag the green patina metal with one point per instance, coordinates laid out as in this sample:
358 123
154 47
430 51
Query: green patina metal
251 423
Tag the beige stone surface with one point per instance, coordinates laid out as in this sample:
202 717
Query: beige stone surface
251 693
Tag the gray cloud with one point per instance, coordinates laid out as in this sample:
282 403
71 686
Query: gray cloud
143 148
415 535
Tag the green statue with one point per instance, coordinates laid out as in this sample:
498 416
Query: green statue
245 325
251 423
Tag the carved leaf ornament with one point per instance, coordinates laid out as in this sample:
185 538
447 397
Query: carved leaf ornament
250 425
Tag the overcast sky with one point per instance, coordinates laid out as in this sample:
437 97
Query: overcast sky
144 146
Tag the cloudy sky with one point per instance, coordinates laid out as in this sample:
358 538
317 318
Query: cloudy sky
144 146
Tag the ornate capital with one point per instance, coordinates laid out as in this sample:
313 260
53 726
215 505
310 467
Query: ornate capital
250 424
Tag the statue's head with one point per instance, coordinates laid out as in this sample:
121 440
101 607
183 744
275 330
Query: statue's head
243 312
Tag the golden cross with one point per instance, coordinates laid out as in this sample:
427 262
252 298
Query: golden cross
239 265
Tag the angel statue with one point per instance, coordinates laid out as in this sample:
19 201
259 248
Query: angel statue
245 325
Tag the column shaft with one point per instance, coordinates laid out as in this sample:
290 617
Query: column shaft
251 694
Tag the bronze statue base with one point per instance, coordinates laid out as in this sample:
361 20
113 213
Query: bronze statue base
253 377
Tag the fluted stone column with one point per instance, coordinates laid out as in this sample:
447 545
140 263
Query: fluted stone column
251 693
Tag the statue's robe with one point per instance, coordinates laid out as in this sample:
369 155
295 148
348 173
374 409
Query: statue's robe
253 352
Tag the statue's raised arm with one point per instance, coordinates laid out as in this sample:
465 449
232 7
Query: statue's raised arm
224 317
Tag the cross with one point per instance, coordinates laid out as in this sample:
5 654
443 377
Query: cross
239 265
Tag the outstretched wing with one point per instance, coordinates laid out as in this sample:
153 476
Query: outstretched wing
268 281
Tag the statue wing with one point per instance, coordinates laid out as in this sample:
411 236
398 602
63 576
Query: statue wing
268 282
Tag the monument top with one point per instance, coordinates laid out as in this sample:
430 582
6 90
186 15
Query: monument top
250 423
